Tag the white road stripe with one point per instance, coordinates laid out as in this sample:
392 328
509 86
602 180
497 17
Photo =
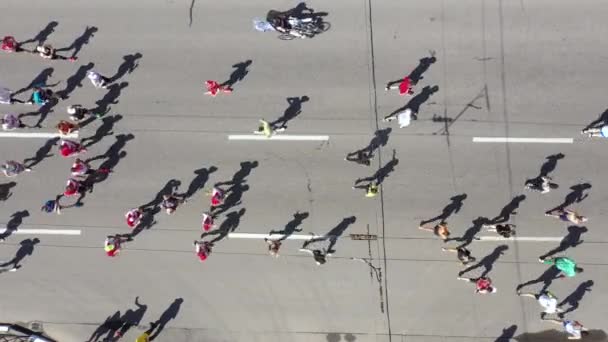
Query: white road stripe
279 137
44 231
36 135
273 236
523 238
523 140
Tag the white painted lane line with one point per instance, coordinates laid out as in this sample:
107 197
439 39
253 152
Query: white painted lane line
522 238
279 137
36 135
271 236
43 231
523 140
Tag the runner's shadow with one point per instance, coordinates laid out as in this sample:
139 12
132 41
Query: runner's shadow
507 334
75 80
27 248
379 176
238 74
577 195
600 121
550 164
294 109
452 208
417 101
230 224
509 210
108 328
292 226
104 130
110 98
469 235
5 190
198 182
576 296
129 64
487 262
547 278
380 139
132 318
337 231
41 154
167 316
39 81
14 223
112 157
571 240
416 75
45 110
81 41
43 35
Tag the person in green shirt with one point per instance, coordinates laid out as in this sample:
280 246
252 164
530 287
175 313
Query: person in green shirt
564 264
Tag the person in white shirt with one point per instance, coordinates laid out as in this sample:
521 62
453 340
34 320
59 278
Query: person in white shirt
547 300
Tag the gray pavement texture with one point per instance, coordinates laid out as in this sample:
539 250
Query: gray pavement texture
503 68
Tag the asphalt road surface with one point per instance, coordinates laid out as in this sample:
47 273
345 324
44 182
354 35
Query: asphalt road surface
531 69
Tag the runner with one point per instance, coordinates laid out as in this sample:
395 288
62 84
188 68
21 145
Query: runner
49 52
360 157
133 217
11 122
113 244
567 215
98 80
574 328
405 86
463 254
267 129
547 300
505 230
52 206
207 221
440 230
202 249
213 88
13 168
66 127
217 197
74 187
318 248
69 148
564 264
78 113
273 247
483 285
81 168
170 202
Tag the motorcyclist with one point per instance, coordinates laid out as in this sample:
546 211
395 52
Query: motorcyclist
284 23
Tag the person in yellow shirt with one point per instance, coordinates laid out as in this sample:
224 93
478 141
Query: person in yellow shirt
145 337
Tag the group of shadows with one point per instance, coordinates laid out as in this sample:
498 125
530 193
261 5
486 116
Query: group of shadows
117 325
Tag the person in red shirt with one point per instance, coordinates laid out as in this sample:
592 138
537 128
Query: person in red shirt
113 244
133 217
207 221
69 148
483 285
202 249
405 86
213 88
74 187
217 197
66 127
